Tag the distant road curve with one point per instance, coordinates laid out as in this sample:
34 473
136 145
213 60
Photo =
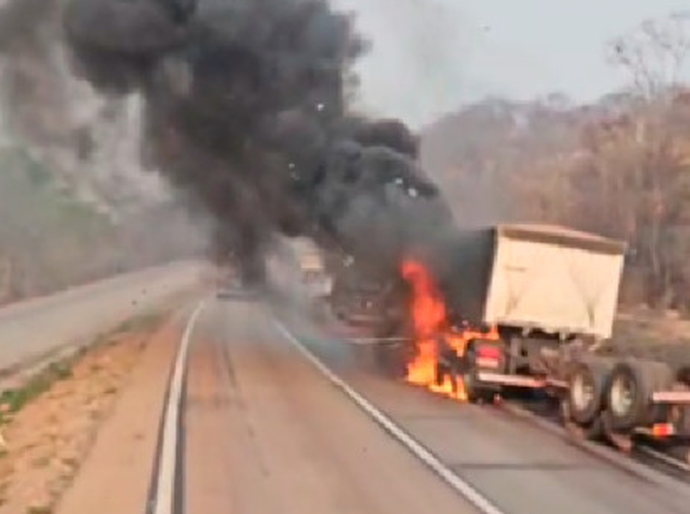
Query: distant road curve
35 327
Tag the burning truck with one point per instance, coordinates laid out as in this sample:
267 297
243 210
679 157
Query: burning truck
522 306
256 127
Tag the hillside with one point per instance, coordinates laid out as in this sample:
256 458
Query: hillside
75 201
49 239
44 233
620 167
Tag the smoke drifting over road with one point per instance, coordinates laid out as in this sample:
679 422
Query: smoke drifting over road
246 108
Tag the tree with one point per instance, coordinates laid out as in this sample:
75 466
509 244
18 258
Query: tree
619 167
655 54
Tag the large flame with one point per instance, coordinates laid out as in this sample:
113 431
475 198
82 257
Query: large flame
428 315
429 319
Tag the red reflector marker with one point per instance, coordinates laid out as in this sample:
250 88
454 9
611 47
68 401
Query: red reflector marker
662 430
489 352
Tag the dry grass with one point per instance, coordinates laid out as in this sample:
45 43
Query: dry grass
49 424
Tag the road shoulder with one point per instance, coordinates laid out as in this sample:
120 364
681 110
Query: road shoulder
116 475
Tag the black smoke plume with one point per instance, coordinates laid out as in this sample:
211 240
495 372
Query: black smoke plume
246 108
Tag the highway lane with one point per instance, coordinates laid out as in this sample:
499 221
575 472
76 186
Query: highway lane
519 467
38 326
264 432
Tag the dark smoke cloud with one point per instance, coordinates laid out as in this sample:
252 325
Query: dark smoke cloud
20 20
246 109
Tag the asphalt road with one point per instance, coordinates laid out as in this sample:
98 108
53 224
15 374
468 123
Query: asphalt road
265 431
35 327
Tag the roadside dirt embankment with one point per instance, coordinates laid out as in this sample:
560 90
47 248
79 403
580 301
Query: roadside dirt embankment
51 423
35 328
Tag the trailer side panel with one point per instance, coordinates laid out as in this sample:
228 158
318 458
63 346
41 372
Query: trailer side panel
554 286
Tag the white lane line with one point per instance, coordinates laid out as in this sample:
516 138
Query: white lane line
667 459
608 455
479 501
165 480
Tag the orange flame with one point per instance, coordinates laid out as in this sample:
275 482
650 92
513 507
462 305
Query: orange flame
428 313
430 322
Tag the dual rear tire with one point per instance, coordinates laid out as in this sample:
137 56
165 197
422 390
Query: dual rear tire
617 396
629 398
585 398
476 390
587 387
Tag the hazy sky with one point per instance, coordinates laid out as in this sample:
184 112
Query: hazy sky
429 56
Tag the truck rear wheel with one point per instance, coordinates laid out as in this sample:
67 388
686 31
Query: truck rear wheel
587 386
589 431
476 390
629 396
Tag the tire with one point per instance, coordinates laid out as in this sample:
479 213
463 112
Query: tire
682 374
592 431
477 391
587 386
628 398
680 414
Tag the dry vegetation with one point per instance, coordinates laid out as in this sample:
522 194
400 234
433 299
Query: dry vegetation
75 202
49 423
620 167
49 239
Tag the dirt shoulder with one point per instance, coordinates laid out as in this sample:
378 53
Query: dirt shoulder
79 422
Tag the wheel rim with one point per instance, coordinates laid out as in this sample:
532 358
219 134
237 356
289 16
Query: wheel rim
622 395
582 392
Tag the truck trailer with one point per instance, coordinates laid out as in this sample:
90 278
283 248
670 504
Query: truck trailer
537 299
311 264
